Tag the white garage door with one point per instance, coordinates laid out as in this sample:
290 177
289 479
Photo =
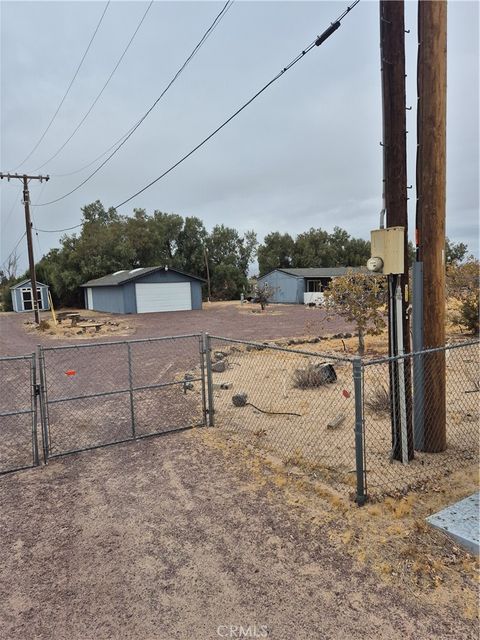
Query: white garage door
168 296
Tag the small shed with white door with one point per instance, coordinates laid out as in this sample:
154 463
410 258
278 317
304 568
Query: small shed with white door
144 290
22 298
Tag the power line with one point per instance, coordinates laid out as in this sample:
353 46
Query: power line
101 90
7 217
68 89
57 230
124 138
14 248
209 31
316 43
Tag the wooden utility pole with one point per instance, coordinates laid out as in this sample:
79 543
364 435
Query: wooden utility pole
430 219
205 255
28 226
392 48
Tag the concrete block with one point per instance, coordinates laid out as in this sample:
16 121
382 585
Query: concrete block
461 522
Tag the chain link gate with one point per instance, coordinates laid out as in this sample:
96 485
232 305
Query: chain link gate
18 413
95 395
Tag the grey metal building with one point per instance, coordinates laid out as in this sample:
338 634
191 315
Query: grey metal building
144 290
290 285
22 299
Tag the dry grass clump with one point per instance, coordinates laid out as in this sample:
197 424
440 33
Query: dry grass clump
315 375
44 325
379 400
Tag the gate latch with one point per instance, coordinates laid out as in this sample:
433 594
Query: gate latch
37 389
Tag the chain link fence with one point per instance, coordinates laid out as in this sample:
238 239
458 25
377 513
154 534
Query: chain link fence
445 438
105 393
298 405
18 413
332 415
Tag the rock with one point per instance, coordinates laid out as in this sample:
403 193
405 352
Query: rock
188 385
219 367
219 355
347 335
222 385
188 376
239 399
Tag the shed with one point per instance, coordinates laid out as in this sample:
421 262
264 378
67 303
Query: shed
22 299
144 290
290 285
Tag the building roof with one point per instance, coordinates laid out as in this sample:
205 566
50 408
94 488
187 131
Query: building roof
319 272
24 282
125 275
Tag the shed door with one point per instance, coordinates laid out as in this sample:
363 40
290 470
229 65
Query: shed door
89 298
165 296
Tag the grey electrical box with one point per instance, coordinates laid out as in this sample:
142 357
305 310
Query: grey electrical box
387 250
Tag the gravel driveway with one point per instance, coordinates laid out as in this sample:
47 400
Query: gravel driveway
224 319
170 539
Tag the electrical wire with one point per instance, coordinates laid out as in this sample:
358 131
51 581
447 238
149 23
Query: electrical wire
124 138
317 42
7 217
14 248
320 40
101 90
58 230
68 89
127 134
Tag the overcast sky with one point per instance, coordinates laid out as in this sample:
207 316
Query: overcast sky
305 154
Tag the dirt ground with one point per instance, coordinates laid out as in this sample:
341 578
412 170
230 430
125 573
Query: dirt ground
229 319
185 535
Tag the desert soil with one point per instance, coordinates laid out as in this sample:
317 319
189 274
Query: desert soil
223 318
183 535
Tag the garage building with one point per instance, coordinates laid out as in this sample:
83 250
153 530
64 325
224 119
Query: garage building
144 290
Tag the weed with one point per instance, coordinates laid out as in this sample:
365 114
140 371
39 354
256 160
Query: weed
379 400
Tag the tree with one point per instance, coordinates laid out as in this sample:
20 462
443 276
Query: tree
229 257
276 252
454 252
360 298
318 248
312 249
262 295
463 281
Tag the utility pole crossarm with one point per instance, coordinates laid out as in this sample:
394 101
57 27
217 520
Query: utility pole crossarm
11 176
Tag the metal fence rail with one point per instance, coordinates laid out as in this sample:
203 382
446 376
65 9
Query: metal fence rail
18 413
99 394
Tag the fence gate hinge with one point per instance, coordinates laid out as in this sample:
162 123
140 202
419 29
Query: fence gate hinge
37 389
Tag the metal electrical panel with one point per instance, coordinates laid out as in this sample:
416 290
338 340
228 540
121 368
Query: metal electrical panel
389 246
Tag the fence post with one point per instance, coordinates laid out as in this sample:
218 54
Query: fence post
42 396
202 375
130 386
359 454
35 391
208 363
